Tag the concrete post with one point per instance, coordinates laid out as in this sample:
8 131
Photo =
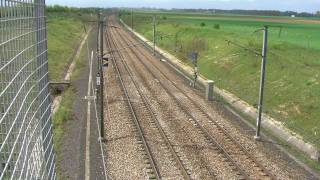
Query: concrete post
209 90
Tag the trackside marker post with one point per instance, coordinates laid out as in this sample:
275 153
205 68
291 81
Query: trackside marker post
209 90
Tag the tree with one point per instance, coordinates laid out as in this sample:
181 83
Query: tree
318 14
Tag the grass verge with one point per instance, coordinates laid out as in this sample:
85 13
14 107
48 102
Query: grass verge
64 36
63 114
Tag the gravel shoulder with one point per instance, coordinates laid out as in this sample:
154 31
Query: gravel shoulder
124 154
72 157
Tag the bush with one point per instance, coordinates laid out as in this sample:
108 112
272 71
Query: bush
197 44
66 9
176 25
164 17
216 26
203 24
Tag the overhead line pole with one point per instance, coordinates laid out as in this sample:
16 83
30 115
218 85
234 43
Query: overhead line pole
154 35
98 30
101 25
131 18
262 77
262 81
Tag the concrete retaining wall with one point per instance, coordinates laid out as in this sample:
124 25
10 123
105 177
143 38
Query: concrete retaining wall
276 127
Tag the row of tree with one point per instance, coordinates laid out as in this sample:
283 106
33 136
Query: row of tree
65 9
250 12
240 12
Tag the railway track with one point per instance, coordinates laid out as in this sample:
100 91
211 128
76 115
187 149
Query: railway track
238 173
246 166
210 175
147 123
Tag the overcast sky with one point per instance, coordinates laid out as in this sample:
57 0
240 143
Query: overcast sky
294 5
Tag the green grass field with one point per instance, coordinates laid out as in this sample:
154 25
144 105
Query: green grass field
293 66
64 36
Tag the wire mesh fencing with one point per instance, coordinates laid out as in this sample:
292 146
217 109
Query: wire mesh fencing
26 142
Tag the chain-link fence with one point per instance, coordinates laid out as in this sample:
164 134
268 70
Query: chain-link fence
26 147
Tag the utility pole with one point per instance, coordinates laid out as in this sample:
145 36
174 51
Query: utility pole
176 42
131 18
98 31
100 69
262 80
154 35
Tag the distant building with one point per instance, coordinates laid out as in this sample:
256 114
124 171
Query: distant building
293 16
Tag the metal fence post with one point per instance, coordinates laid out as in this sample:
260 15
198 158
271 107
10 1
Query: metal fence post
262 81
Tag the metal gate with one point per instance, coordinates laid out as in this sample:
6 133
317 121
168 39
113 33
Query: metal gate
26 147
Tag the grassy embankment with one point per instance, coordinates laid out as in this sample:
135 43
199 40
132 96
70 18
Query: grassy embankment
65 32
293 69
64 36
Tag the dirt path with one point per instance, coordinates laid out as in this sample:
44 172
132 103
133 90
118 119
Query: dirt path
71 160
57 100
